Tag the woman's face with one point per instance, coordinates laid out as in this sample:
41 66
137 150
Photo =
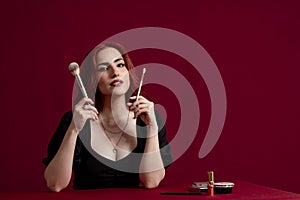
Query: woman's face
112 72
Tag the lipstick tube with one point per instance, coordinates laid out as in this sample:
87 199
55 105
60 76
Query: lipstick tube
210 185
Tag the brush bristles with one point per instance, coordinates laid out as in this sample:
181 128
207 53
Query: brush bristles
74 68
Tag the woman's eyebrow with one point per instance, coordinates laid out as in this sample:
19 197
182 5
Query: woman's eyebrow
103 63
107 63
118 59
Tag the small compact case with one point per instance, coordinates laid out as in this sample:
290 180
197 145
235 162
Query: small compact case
219 187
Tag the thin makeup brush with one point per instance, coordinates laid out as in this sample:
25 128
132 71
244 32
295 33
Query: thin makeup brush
141 83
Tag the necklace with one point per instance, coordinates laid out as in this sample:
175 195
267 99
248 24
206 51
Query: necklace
107 135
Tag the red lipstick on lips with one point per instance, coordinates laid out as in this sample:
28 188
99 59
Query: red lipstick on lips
116 83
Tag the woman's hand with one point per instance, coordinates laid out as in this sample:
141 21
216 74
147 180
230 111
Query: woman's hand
143 108
84 110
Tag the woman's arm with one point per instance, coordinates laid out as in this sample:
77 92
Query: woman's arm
58 172
151 167
152 170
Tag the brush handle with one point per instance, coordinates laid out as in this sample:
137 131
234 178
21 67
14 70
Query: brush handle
141 83
80 84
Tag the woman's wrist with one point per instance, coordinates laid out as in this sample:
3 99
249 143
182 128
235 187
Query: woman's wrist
152 130
73 129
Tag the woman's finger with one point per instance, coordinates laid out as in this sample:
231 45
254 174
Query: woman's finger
90 107
143 110
142 105
132 97
84 101
140 102
91 115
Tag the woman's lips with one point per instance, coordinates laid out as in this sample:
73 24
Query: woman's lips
116 82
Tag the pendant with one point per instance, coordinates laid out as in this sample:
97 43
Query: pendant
114 150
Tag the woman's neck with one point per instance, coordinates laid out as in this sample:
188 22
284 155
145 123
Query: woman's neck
114 106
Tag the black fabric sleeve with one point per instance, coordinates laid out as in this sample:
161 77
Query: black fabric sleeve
58 137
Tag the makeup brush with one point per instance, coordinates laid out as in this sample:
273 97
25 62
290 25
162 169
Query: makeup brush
141 83
74 69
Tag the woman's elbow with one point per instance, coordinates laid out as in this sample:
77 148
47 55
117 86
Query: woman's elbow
54 184
151 184
55 187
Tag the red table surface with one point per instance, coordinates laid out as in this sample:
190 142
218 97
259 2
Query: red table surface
242 190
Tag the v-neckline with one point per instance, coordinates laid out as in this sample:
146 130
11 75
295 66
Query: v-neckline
103 136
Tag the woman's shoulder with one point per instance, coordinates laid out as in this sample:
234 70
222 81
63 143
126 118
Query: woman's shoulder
65 121
66 117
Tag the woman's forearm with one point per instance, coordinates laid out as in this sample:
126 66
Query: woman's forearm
59 171
151 168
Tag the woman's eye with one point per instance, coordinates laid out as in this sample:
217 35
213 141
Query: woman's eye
121 65
102 69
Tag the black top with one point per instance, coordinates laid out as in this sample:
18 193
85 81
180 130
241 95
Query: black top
92 171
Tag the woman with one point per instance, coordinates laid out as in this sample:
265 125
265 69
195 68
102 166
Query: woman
116 141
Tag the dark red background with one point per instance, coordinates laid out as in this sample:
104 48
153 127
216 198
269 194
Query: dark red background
255 45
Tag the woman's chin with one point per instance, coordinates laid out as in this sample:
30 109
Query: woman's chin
119 91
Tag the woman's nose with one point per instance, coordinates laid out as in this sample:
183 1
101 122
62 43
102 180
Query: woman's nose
115 70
